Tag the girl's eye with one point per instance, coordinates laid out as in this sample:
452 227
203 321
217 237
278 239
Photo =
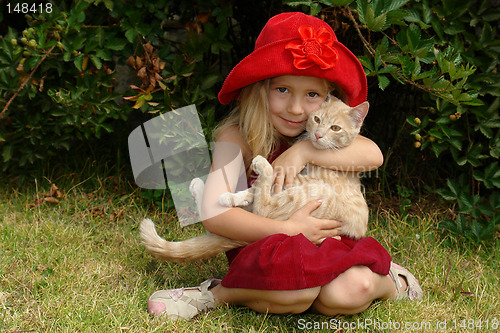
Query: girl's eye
335 128
282 89
316 119
312 94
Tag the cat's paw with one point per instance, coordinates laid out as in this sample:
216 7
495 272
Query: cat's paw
226 199
196 188
261 166
239 199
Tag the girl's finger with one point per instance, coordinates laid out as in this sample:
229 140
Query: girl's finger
312 205
278 184
288 181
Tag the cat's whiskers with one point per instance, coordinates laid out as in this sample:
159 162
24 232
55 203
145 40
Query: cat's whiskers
332 145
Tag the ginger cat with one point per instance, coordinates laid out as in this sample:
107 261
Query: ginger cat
334 126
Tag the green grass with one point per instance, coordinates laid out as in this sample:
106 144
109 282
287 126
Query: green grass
78 266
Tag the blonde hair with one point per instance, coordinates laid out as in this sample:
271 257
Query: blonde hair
252 117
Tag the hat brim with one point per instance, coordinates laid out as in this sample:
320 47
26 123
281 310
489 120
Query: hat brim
274 60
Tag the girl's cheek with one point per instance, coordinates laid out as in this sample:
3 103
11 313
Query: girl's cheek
314 107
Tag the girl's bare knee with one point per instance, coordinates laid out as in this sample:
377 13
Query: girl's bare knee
352 289
360 280
363 286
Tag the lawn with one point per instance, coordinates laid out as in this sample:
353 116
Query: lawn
78 266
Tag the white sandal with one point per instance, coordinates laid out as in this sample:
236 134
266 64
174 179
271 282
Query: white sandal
183 303
413 291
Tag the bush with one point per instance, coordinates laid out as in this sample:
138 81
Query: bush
445 53
60 73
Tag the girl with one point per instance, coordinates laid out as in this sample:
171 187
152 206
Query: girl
288 268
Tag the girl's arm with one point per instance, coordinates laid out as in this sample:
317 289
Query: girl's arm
239 224
236 223
361 155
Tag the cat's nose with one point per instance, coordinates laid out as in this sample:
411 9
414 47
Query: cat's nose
318 136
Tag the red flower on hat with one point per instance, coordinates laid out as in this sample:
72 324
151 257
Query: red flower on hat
313 48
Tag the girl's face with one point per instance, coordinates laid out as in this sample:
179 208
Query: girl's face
292 99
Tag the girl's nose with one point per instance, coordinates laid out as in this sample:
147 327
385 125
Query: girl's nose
295 107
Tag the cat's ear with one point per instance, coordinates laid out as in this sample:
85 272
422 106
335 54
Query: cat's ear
358 113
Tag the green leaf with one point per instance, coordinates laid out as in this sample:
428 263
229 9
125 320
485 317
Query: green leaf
78 17
78 61
490 177
466 202
340 2
315 9
441 84
455 142
7 153
476 229
454 28
209 81
104 54
438 28
426 13
131 34
453 186
109 4
383 82
461 224
362 6
446 194
414 35
366 62
383 46
495 151
116 44
96 61
100 36
375 23
78 42
299 3
393 5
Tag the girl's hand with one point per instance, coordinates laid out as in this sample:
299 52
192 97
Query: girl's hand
288 165
314 229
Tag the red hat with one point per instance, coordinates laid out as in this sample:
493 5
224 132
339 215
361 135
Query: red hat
298 44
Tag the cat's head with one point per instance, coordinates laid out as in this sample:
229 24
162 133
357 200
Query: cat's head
335 124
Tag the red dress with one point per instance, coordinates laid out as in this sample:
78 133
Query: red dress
281 262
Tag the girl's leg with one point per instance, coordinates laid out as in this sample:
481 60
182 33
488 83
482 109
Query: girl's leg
267 301
189 302
353 291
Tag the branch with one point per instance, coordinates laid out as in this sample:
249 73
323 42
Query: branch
372 51
2 114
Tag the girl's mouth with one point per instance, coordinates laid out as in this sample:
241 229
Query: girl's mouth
293 123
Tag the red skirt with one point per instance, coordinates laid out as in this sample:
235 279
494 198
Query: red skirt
281 262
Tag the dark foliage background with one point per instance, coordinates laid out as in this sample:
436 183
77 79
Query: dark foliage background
78 76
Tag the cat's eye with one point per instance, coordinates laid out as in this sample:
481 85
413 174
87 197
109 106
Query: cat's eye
335 128
317 119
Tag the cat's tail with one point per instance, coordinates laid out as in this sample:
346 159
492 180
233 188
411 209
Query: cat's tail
201 247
